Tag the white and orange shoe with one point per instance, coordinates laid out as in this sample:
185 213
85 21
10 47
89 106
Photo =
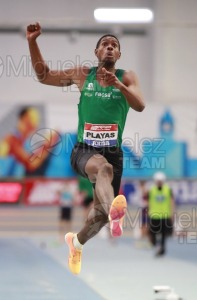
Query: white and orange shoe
74 259
116 215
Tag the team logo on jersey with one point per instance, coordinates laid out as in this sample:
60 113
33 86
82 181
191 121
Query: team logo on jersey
88 94
116 90
160 198
116 94
103 94
90 87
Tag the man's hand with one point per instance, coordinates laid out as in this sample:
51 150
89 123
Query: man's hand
129 87
110 78
33 31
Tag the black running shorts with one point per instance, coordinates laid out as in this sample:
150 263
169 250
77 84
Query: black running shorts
81 153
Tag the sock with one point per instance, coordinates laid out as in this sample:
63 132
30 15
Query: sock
76 243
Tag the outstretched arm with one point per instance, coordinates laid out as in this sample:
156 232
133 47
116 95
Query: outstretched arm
44 74
129 88
38 63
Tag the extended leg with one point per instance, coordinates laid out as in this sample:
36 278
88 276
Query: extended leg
100 172
97 218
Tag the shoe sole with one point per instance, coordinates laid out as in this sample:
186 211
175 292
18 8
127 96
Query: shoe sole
68 239
116 214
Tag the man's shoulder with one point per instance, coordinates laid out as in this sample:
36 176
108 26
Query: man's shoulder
129 76
129 73
121 70
83 71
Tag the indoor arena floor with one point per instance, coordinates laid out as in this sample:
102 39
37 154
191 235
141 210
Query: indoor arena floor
33 262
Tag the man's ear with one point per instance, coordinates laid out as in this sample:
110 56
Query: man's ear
96 51
119 55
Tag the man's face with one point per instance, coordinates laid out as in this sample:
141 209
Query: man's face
159 183
108 51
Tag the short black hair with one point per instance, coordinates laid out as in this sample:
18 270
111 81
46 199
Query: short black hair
109 34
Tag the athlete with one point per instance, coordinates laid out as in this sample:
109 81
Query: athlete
107 94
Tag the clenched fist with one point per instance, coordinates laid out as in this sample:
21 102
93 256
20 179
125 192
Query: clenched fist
33 31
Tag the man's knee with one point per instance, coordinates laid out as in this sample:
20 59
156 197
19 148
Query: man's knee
93 166
106 169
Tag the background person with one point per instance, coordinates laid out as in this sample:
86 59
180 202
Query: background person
160 212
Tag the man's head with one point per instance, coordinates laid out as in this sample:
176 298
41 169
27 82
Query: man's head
108 50
107 35
159 178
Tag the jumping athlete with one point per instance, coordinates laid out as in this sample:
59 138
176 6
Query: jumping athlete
107 94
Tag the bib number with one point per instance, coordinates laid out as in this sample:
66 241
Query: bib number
100 135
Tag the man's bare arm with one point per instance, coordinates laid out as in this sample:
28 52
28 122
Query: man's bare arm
44 74
132 92
129 88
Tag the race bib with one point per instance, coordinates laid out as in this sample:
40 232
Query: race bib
100 135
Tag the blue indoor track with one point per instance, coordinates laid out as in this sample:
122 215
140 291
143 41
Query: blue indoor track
33 262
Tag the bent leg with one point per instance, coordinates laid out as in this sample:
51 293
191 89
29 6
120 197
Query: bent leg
153 231
164 229
100 172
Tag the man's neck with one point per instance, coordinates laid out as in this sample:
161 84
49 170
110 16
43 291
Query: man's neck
108 67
